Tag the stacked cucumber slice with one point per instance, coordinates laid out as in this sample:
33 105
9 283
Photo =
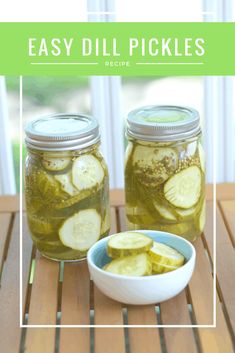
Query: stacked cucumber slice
128 243
135 254
184 188
165 187
67 202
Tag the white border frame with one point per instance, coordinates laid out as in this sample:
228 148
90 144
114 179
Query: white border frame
213 325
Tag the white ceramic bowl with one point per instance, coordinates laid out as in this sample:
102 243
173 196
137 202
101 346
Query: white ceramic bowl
142 290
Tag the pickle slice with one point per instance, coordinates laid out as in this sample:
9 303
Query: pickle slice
128 243
155 164
48 187
40 225
183 189
129 150
164 254
202 217
182 229
87 172
55 164
81 230
149 156
105 226
65 181
80 196
162 268
138 214
202 157
134 265
164 212
191 149
186 213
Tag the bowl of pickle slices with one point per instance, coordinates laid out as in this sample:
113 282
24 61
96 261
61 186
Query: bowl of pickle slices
141 267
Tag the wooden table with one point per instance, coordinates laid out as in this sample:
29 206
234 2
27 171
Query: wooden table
64 295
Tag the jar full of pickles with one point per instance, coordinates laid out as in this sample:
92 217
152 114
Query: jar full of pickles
66 186
165 171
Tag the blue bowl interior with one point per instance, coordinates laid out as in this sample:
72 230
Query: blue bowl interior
100 258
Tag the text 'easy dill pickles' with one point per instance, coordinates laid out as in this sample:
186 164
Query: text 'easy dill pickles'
66 186
165 171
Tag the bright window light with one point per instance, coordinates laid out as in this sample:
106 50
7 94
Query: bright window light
44 11
159 11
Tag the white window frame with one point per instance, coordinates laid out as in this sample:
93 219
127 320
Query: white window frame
7 174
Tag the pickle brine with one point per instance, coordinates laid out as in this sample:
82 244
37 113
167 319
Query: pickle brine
165 187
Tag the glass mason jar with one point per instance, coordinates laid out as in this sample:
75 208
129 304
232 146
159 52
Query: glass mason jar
66 186
165 171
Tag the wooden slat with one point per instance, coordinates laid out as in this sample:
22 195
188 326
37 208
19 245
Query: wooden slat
175 312
143 339
201 291
9 203
225 261
26 261
9 296
5 220
108 312
201 287
75 309
117 197
114 221
43 307
228 209
216 339
122 219
223 191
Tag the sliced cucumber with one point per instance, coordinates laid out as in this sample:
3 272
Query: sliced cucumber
105 225
202 217
74 199
55 164
164 254
82 230
186 213
40 225
202 157
134 265
162 268
129 150
164 212
191 149
154 165
87 172
138 214
183 189
181 229
150 156
65 181
128 243
48 187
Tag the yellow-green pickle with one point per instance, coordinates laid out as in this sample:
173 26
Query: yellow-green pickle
165 171
66 186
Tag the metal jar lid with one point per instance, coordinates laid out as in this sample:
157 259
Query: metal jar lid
163 123
62 132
